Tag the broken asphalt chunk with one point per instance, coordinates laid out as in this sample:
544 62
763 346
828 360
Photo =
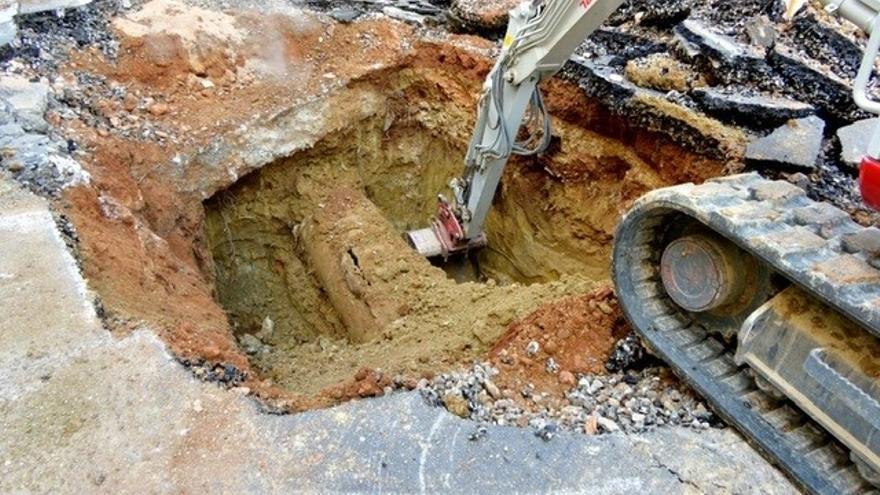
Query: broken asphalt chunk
794 144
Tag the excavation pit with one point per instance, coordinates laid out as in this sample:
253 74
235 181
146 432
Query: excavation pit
312 268
310 263
293 278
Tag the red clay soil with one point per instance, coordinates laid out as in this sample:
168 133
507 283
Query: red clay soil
578 333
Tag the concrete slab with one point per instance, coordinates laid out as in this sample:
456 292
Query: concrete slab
83 412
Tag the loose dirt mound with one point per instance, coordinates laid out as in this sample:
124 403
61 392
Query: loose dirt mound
562 339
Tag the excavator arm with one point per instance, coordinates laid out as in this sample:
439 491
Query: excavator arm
541 36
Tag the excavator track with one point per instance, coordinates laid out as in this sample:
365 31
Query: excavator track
808 243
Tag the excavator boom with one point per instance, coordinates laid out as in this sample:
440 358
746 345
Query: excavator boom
541 36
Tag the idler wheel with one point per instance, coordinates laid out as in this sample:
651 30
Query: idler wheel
702 272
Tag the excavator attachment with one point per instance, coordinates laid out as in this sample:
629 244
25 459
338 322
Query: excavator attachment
541 36
445 236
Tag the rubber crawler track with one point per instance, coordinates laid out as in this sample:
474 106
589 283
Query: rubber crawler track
797 237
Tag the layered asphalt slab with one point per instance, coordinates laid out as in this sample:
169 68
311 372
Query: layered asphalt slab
82 411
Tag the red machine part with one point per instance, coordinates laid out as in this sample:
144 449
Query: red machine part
869 181
447 229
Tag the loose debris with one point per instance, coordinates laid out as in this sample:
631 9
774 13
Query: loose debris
565 367
631 402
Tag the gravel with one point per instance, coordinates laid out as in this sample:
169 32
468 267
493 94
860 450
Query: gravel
45 38
631 402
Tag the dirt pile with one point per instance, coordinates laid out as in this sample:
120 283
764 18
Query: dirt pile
546 350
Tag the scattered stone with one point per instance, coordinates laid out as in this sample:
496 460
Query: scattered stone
566 378
403 15
607 425
628 353
250 344
761 32
547 430
456 404
533 348
492 389
158 109
266 329
130 102
795 144
591 425
854 140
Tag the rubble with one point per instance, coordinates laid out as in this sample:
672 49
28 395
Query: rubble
29 100
756 111
11 8
796 143
480 16
725 58
854 140
631 402
652 12
36 158
815 83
